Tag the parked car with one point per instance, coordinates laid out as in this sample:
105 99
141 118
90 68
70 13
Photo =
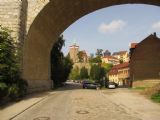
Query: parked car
90 85
112 85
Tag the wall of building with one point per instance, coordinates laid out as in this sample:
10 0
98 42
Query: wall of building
145 60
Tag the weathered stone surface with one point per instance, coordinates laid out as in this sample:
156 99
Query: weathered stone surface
146 83
53 18
9 15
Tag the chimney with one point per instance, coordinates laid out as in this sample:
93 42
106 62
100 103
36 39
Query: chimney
154 34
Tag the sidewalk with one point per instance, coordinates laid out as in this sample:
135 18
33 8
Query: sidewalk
13 109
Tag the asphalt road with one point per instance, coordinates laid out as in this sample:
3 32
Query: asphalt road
74 103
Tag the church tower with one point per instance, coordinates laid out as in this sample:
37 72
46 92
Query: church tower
73 52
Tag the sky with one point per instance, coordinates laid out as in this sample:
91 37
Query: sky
113 28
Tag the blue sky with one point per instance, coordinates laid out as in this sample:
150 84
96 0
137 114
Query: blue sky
113 28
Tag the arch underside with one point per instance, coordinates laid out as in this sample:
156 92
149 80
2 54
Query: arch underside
54 18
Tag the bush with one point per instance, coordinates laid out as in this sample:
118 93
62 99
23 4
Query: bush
3 90
13 91
153 92
10 82
18 89
22 85
156 97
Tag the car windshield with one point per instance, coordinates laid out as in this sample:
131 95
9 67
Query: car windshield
111 83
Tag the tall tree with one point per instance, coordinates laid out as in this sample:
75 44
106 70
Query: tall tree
60 66
97 72
83 73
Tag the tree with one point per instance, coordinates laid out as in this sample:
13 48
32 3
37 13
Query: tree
67 65
74 75
80 56
121 61
7 56
95 60
107 66
99 52
60 66
9 67
97 72
83 73
94 72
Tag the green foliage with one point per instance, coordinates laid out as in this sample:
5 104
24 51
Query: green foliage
99 53
95 60
10 82
121 61
84 73
97 72
66 68
74 75
7 56
156 97
3 90
22 87
107 66
13 91
60 66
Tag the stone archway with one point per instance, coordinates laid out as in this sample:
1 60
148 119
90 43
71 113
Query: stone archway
54 18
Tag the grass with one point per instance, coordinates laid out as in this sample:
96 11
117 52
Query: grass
156 97
138 88
153 93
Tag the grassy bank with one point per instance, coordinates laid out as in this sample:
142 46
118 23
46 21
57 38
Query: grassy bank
153 93
156 97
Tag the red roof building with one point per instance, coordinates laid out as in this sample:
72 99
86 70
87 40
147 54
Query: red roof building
120 74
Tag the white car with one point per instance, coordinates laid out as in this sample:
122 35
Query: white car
111 85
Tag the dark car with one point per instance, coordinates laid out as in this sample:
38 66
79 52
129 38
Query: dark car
90 85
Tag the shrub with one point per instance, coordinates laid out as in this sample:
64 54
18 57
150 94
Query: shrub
13 91
153 92
18 89
22 85
156 97
3 90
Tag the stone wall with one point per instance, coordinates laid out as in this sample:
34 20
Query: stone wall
10 16
80 65
18 15
145 83
34 7
39 85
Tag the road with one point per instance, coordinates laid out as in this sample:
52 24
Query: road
73 103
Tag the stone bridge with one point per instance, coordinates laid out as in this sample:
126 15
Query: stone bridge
36 25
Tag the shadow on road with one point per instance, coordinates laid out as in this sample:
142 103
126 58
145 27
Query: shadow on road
70 86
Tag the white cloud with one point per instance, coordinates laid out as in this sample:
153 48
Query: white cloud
156 25
114 26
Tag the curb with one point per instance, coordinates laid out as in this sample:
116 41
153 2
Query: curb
28 107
